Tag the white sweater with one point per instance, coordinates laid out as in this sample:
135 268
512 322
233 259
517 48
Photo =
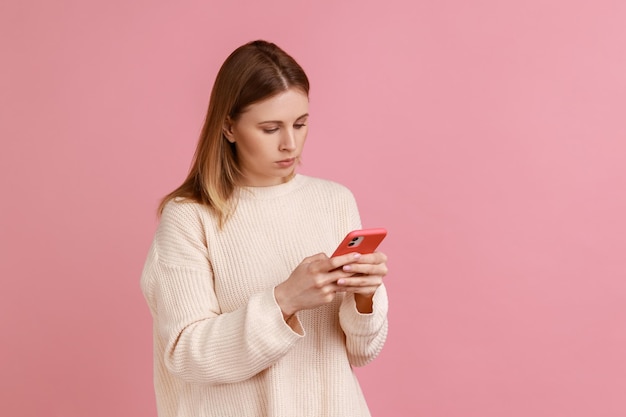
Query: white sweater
221 346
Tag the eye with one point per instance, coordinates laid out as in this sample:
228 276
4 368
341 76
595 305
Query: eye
299 125
270 130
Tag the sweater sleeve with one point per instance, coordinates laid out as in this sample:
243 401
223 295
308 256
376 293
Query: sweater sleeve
202 344
365 333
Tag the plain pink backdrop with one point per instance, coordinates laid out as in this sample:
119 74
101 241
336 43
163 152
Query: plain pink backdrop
488 136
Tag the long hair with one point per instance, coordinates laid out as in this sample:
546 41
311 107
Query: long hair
253 72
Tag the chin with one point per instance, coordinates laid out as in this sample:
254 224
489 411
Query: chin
289 176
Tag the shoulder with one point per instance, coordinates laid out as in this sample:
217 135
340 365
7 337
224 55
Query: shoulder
328 187
182 230
182 214
337 201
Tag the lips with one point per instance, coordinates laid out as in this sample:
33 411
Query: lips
285 163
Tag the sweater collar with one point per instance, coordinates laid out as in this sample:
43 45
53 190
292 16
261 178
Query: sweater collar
272 191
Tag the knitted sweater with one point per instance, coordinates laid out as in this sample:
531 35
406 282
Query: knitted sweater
221 345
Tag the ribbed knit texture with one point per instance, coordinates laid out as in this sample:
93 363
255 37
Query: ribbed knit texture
221 346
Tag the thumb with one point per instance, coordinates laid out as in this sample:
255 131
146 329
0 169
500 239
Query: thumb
314 258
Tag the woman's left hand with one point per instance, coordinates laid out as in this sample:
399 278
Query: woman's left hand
367 275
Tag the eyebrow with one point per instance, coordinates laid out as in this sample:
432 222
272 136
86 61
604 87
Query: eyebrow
280 121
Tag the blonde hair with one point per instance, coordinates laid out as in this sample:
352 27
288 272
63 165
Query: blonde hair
253 72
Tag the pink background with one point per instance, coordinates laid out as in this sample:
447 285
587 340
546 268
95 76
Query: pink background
488 136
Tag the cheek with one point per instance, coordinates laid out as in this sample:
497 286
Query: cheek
258 147
304 135
249 143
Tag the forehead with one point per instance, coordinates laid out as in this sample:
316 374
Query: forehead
287 105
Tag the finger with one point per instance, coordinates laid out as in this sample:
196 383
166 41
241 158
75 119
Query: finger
339 261
367 290
359 290
323 277
361 281
329 280
338 274
373 258
315 258
366 269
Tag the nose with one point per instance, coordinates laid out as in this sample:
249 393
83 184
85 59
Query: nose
288 140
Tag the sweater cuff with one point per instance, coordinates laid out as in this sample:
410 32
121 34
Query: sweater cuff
364 324
269 332
292 324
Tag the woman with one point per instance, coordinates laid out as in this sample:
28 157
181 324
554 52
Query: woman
251 317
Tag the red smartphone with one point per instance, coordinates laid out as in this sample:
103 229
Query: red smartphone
361 241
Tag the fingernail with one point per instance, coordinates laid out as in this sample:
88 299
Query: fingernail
357 255
347 267
341 281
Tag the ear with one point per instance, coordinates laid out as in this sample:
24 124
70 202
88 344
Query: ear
227 129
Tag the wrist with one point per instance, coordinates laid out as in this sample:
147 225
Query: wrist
282 302
364 303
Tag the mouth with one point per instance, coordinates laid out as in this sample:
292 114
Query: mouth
286 163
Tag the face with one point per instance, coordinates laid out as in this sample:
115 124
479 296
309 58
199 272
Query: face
269 137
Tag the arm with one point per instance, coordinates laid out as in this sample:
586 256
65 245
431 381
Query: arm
363 312
199 343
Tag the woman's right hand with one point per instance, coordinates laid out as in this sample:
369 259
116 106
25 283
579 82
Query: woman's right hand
313 283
